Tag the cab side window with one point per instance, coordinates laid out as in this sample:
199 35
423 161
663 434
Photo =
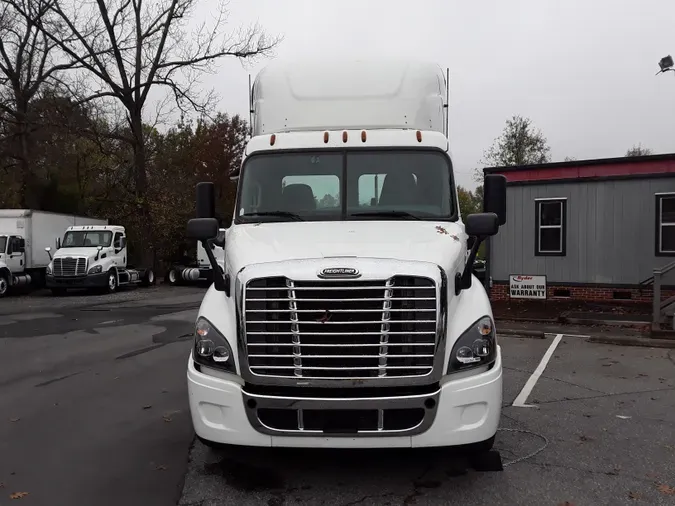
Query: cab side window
14 245
117 242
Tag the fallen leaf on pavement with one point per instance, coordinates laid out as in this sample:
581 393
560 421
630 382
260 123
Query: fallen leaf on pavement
14 419
148 406
160 468
167 418
633 495
18 495
665 489
2 484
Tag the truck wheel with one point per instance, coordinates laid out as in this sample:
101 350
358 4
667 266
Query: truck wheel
148 278
111 287
173 277
4 285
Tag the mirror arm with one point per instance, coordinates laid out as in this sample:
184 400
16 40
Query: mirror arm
221 282
463 280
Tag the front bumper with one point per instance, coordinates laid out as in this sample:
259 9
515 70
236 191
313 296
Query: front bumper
88 281
465 411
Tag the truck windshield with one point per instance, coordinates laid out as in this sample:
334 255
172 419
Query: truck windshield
3 243
348 185
85 239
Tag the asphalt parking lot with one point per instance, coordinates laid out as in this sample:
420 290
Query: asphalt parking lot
93 410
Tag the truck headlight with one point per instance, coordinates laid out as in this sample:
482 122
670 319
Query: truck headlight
477 346
97 269
211 349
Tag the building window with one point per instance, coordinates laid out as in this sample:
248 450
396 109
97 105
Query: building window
551 227
665 224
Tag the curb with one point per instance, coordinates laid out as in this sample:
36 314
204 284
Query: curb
663 334
535 334
604 323
633 341
528 320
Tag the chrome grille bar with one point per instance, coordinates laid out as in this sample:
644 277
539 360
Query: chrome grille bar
70 266
295 330
302 329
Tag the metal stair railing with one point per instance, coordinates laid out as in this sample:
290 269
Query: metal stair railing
658 307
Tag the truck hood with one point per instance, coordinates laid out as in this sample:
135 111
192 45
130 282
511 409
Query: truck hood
423 241
76 252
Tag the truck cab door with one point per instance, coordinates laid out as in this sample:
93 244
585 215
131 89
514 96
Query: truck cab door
16 257
119 250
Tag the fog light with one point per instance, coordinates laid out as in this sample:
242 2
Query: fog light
205 347
221 354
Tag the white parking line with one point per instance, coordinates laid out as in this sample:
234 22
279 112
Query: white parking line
532 380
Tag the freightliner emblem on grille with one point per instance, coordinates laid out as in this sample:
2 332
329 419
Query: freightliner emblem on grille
339 273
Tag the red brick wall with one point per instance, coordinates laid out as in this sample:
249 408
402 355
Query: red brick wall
500 291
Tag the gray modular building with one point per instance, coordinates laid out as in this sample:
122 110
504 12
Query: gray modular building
596 229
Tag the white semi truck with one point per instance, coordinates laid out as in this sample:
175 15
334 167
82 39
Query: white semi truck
24 235
94 257
348 315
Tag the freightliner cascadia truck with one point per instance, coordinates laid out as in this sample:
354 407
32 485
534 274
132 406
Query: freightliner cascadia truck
347 315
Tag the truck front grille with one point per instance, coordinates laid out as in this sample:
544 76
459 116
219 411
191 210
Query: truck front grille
341 329
70 266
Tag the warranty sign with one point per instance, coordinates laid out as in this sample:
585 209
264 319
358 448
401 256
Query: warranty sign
527 287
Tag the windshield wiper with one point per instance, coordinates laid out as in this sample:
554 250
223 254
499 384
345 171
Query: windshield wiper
388 214
280 214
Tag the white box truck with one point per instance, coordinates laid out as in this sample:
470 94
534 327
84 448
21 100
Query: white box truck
348 315
24 235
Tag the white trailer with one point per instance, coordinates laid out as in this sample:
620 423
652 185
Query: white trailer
348 315
24 235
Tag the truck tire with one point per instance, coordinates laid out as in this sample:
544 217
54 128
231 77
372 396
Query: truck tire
4 284
148 278
111 286
173 277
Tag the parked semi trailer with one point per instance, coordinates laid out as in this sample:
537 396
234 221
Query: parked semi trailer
348 314
24 235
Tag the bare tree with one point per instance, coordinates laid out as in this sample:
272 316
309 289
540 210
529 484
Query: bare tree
129 47
29 64
520 143
639 151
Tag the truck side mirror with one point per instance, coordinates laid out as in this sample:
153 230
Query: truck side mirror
482 225
202 229
494 196
58 243
206 201
49 252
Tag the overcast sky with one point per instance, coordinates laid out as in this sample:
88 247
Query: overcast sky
583 71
